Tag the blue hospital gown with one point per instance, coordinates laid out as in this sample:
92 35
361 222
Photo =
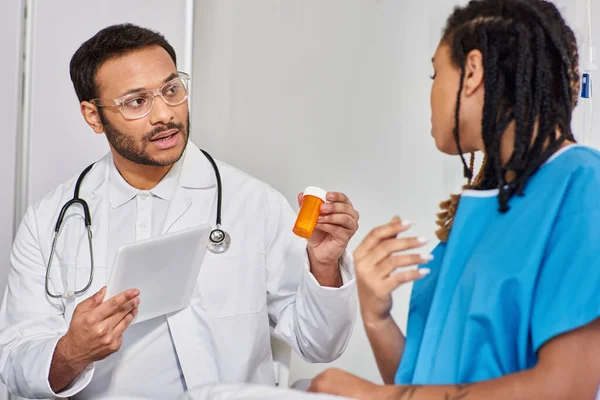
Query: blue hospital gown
505 284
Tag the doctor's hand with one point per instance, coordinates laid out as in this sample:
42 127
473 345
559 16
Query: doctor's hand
335 227
376 262
95 332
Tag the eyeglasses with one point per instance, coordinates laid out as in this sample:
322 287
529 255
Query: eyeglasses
139 104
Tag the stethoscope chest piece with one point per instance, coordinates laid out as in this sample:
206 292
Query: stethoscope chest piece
218 241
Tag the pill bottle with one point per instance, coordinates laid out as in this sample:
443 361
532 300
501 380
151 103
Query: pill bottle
309 211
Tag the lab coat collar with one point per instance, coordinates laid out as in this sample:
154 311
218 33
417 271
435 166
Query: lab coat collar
196 172
120 192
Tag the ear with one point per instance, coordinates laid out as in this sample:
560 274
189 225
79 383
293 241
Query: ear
91 116
473 73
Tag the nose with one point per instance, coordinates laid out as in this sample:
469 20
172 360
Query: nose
161 112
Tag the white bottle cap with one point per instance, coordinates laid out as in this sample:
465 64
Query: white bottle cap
315 191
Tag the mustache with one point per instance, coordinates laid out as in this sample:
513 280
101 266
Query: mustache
160 129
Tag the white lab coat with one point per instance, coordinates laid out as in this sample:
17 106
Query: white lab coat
262 285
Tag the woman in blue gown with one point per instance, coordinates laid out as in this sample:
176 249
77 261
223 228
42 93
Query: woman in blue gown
509 305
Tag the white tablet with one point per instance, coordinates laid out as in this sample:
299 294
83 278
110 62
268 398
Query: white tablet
164 268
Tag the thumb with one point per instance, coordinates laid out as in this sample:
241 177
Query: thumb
300 198
92 301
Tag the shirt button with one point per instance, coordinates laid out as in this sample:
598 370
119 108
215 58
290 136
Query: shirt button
143 196
143 225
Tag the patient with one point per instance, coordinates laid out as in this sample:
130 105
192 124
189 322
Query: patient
510 307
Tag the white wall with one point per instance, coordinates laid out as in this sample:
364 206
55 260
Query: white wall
11 17
334 94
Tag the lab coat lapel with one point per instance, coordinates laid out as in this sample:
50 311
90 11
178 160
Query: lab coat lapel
180 205
194 203
197 184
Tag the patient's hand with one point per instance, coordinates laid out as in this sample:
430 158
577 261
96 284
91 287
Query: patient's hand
375 264
340 383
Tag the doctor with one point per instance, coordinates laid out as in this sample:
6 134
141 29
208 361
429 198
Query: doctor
151 182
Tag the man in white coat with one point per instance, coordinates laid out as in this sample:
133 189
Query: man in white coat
154 181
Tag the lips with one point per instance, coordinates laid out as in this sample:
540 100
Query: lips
164 135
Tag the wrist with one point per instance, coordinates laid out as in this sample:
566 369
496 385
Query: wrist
322 265
327 273
377 323
64 368
64 354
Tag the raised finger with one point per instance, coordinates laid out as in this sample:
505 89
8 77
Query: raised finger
388 247
392 263
399 278
379 234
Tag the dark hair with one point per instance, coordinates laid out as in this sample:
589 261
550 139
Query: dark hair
111 41
531 77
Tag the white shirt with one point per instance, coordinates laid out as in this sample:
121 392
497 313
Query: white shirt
261 287
148 353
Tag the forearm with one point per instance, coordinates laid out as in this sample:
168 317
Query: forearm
63 370
525 385
387 342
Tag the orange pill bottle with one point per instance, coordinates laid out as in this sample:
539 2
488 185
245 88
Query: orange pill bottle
309 211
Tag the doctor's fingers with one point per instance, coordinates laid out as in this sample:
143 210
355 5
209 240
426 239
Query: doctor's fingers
339 233
386 248
338 197
115 304
124 323
379 234
343 220
393 281
91 302
339 208
125 309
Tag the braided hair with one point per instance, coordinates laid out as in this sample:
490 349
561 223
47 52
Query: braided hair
531 79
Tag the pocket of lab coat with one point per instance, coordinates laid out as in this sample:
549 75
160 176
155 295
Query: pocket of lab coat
231 285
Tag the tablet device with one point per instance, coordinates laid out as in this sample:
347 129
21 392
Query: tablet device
164 268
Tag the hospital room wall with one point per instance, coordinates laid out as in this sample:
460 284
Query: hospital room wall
11 18
334 94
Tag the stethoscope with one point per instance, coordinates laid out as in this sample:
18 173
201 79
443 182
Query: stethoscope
218 243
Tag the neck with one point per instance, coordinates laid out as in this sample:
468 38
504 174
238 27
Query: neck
141 177
507 144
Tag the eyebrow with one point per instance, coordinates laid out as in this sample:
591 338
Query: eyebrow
167 79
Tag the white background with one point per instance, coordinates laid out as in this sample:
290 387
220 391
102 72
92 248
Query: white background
298 92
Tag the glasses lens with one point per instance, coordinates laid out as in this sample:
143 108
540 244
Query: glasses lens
175 92
137 105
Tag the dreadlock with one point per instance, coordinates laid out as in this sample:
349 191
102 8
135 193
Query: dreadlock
531 80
